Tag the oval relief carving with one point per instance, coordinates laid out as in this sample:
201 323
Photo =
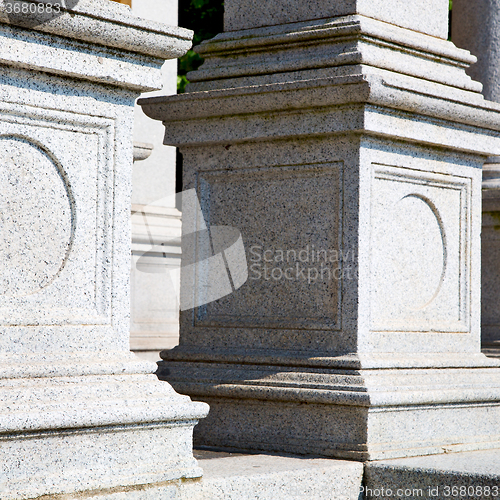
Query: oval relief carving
409 258
417 253
36 218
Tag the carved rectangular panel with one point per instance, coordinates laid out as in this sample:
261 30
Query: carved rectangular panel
290 218
420 253
56 208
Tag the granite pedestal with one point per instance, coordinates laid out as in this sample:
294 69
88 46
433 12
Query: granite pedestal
78 412
347 147
475 26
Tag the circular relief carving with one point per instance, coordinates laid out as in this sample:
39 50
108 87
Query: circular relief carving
36 221
416 254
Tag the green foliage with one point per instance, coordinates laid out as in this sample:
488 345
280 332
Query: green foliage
205 18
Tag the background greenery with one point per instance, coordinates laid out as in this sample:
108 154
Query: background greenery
206 19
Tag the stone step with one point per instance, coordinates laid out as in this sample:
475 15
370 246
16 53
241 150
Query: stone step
467 475
272 477
238 476
234 476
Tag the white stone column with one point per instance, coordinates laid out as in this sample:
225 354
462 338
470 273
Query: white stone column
155 219
352 128
476 27
78 411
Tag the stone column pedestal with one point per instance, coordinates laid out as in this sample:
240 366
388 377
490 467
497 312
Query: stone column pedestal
347 147
475 28
78 411
490 259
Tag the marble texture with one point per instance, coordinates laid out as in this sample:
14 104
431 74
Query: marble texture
78 411
364 140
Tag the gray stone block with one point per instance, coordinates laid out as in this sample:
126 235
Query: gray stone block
77 410
365 139
254 477
426 16
474 28
455 475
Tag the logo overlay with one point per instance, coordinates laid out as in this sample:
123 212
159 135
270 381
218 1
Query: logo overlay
213 258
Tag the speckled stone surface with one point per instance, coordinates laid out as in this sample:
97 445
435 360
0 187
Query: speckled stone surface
253 477
474 27
77 410
268 477
490 251
154 311
364 141
455 475
427 16
109 45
